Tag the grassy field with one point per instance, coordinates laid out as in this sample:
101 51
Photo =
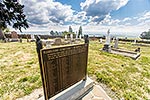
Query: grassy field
129 79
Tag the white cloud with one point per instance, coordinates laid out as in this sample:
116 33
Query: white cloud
99 9
145 16
46 11
94 17
79 18
126 19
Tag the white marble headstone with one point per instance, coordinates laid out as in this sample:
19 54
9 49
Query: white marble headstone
134 41
76 35
80 36
32 36
108 37
65 37
101 40
71 36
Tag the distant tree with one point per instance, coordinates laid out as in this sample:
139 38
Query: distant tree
145 35
80 31
11 13
56 33
65 33
70 29
52 33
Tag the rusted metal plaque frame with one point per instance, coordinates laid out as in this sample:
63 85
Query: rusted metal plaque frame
63 67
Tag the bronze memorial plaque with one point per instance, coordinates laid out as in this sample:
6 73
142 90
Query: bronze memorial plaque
63 67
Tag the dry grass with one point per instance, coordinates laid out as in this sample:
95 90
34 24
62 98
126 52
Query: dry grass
19 70
129 79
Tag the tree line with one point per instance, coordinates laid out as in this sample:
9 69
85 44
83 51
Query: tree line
70 31
145 35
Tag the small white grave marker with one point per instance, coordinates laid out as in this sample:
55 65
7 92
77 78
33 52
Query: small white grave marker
80 37
65 37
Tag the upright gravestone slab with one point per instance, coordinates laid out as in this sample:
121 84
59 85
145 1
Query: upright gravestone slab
101 40
2 36
134 41
65 37
80 37
14 36
32 38
76 35
60 66
107 46
116 43
57 41
71 36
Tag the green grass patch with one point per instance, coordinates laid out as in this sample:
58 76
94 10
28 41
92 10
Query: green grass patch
128 78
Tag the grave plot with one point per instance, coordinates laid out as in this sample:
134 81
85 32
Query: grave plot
115 49
133 55
141 44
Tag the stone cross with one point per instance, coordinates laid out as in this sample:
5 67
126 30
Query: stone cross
108 37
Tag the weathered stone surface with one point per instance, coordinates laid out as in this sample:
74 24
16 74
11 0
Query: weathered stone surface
131 54
14 35
61 66
2 36
57 41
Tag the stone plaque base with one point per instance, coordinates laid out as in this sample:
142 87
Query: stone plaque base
14 40
74 92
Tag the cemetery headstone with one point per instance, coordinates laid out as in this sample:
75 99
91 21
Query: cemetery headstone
116 43
107 46
2 36
101 40
14 37
32 38
47 43
108 37
57 41
65 37
20 40
135 41
71 37
60 66
80 37
27 38
76 35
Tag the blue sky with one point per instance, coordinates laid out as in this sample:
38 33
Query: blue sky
95 16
